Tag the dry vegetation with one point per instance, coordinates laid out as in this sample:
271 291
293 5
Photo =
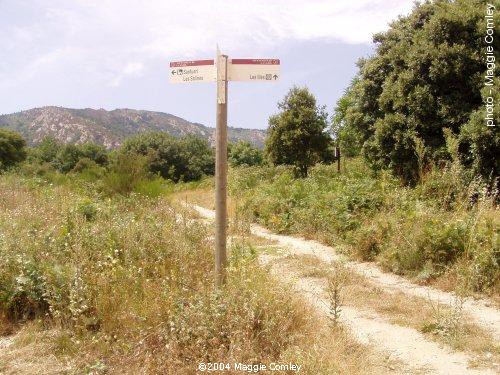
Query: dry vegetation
442 231
115 284
446 324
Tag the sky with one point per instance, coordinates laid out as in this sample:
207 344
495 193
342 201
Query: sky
115 53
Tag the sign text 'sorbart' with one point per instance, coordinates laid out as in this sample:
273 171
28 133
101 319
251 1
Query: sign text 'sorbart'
193 71
262 70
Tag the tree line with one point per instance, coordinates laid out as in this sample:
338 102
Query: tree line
187 158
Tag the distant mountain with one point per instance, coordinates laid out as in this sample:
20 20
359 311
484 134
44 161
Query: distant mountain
110 128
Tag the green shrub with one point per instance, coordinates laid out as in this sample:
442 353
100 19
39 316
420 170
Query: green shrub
26 300
87 209
152 188
83 164
242 153
422 232
126 172
12 148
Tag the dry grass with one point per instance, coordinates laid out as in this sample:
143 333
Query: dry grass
124 286
36 350
201 196
333 351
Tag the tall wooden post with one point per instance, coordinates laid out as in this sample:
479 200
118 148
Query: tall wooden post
195 71
221 171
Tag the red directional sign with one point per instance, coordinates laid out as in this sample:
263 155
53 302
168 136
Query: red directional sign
255 61
253 70
193 71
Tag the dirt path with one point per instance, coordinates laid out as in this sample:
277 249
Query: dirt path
480 310
402 343
405 344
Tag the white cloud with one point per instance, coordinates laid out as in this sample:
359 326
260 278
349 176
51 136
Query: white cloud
132 69
100 35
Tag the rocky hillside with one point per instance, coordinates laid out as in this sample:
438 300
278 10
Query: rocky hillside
109 128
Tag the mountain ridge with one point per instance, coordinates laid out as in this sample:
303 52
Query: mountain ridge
110 128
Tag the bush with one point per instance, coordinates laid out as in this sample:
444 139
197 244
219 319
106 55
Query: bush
12 149
126 173
47 150
242 153
83 164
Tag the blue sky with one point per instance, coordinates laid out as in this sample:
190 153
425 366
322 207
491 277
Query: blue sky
115 53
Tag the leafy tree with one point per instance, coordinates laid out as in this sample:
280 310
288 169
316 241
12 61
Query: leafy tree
162 151
480 144
242 153
197 157
12 148
96 153
67 157
426 76
296 135
47 149
184 159
345 136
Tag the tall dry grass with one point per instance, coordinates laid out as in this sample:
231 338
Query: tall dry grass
123 284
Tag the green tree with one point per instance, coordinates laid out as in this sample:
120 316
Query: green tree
296 135
12 148
345 136
47 150
67 157
242 153
480 144
94 152
426 76
162 151
185 159
197 157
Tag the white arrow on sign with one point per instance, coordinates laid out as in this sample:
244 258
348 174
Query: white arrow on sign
193 71
261 70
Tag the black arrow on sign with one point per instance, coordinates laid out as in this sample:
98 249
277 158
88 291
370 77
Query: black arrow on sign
275 76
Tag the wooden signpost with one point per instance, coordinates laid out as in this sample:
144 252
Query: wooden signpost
221 71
